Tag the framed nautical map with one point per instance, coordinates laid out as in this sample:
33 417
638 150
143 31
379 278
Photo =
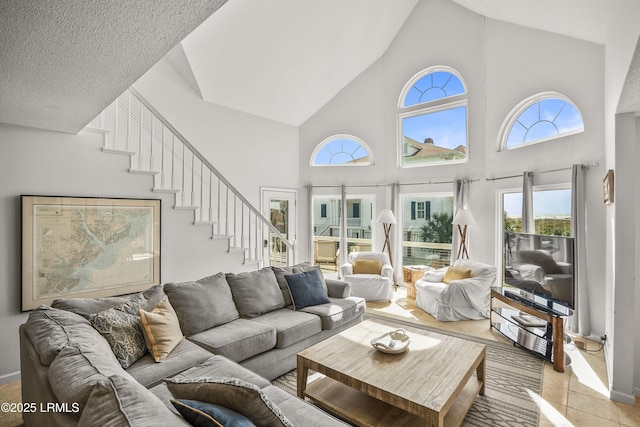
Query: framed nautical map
87 247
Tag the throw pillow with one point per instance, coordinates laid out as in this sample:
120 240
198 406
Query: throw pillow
161 330
255 292
121 328
237 395
307 289
454 273
202 414
367 266
433 276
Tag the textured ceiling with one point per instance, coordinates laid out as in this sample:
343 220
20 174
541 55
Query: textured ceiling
63 62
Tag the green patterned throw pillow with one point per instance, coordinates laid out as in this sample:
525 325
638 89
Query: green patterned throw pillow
122 329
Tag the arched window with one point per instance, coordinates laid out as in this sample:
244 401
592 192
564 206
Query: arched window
432 119
342 150
542 117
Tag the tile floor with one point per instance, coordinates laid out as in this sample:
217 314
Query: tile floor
578 397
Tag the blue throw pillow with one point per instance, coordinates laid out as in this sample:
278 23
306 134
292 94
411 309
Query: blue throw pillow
201 414
306 289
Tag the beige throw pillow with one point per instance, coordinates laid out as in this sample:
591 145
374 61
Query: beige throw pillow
161 330
367 266
454 273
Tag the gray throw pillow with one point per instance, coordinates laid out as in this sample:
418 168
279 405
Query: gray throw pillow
256 292
122 329
202 304
239 396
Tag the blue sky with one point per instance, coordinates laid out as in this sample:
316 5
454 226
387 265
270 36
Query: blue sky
545 202
447 128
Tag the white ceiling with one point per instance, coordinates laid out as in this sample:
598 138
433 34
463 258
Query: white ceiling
61 63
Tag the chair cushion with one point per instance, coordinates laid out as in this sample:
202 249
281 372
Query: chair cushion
454 273
307 289
161 330
255 292
367 266
202 304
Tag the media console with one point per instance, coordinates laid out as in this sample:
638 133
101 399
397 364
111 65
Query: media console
532 322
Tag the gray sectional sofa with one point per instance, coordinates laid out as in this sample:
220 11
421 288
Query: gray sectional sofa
241 326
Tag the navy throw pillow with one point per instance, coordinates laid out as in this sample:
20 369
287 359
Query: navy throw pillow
306 289
201 414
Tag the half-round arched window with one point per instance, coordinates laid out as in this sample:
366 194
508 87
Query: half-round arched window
342 150
432 84
539 118
432 119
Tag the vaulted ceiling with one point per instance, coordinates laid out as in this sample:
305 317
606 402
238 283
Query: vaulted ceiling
61 63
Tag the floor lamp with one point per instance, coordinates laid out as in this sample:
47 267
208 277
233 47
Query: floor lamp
462 220
386 218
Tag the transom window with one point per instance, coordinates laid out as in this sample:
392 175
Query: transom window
542 117
342 150
432 119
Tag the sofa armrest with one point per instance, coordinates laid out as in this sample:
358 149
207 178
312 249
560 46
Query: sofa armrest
338 288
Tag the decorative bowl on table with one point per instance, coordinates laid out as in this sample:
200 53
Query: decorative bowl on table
393 342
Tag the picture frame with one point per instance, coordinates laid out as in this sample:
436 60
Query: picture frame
88 247
608 187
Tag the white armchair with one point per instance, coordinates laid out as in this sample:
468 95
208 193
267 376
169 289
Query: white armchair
460 299
370 275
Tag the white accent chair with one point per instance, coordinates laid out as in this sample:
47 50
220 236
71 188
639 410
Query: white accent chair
463 299
371 287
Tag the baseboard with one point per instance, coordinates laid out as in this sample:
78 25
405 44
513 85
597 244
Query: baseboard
629 399
9 378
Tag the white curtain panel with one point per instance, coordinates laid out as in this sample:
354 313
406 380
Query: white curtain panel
579 323
528 224
396 233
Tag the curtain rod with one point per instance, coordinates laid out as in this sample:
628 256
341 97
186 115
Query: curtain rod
387 185
594 164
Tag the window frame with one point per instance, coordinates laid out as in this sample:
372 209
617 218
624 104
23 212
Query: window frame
521 107
340 136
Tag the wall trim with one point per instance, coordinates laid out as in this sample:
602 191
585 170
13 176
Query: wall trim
9 378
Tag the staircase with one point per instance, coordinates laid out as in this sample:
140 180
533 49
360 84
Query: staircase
132 127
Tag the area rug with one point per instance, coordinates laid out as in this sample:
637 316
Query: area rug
512 376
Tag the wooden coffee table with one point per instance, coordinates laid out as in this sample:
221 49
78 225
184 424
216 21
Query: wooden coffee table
432 384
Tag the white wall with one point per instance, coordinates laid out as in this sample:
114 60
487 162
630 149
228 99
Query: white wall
501 64
37 162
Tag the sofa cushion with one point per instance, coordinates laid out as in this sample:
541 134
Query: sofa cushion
74 373
255 292
149 373
220 366
50 330
291 326
280 272
307 289
204 414
298 411
338 312
118 401
87 306
202 304
161 330
237 340
121 328
232 393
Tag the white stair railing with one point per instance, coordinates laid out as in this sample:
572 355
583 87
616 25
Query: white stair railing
133 127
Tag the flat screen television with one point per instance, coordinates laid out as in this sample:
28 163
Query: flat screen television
542 266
